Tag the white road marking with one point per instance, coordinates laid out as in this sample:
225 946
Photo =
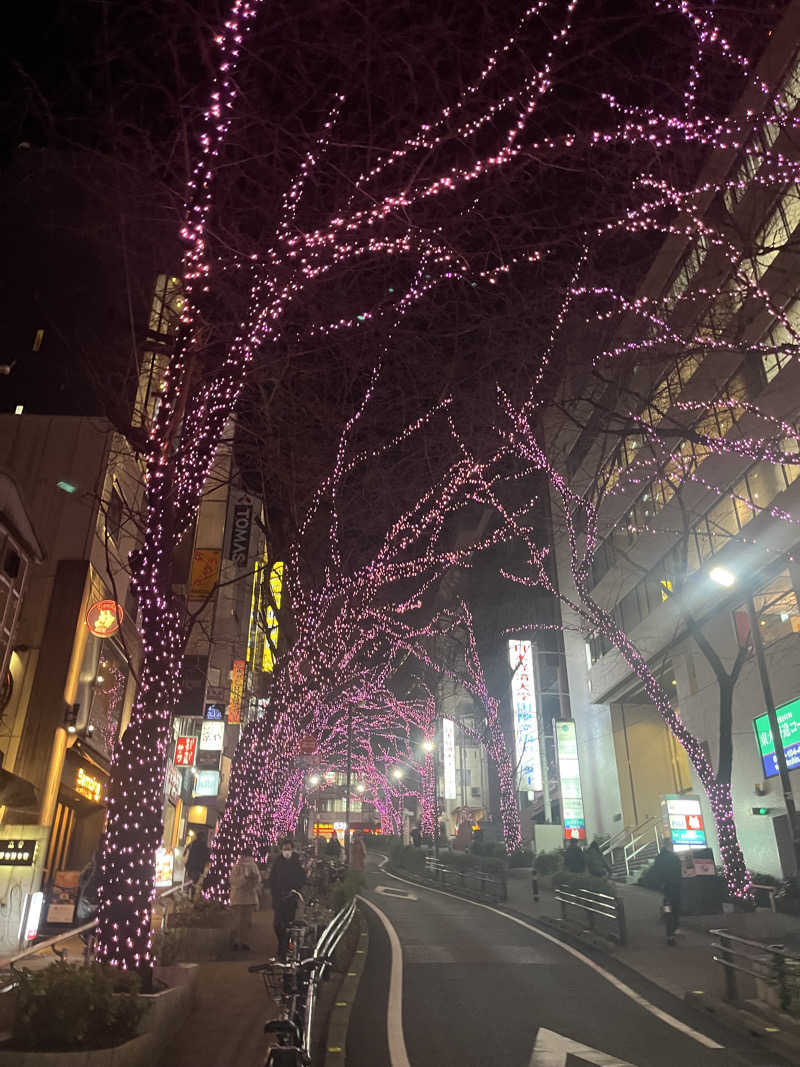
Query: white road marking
394 1008
397 894
637 998
551 1050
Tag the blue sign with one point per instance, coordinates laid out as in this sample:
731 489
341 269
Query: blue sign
214 713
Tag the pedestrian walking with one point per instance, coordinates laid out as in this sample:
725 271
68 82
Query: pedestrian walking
286 879
667 873
333 849
596 863
416 837
574 859
244 880
196 860
358 852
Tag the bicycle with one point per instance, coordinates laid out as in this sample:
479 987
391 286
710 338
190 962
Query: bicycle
287 983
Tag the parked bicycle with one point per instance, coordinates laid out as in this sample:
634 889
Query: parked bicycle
288 983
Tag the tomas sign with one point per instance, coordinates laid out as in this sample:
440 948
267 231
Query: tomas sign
788 716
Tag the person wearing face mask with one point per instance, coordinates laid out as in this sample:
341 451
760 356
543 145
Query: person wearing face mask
287 877
244 880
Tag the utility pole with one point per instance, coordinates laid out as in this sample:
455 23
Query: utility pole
349 779
780 755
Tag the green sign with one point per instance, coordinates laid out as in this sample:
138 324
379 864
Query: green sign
789 725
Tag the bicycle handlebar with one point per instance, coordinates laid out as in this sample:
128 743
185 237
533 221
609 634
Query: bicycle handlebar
280 965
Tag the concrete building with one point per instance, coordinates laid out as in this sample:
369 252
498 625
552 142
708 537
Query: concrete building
663 546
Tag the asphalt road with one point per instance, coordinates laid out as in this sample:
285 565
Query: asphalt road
479 989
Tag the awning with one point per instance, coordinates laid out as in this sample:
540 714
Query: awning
17 793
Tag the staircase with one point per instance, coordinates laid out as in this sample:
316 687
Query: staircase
631 850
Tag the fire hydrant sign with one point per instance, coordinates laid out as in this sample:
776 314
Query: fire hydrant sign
185 749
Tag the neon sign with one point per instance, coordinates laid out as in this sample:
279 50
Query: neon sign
526 720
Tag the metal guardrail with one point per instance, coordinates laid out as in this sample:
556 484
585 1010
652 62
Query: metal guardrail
326 946
487 885
594 904
770 964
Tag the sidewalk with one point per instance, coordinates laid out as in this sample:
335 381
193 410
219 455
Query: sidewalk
686 967
226 1026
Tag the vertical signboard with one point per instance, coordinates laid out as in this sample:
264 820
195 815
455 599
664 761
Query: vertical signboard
569 775
205 572
526 724
239 524
449 758
237 691
684 818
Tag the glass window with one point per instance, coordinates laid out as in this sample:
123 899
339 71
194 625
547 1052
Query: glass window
791 470
777 608
765 481
741 502
722 523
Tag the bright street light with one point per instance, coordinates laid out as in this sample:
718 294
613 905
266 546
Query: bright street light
722 576
314 780
360 788
428 746
397 773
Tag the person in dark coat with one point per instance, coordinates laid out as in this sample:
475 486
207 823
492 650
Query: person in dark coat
197 858
333 849
286 877
574 860
596 862
667 874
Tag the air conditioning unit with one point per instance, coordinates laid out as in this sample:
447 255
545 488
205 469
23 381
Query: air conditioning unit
475 791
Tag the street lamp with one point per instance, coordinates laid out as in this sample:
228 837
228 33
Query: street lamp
726 578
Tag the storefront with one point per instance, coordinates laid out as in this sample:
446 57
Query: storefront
80 812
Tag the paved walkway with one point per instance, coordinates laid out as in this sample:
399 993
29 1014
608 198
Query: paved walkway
226 1027
687 966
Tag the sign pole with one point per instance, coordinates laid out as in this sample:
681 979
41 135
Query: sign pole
780 755
349 779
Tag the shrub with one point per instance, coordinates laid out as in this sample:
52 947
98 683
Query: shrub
381 842
68 1008
199 912
408 857
549 862
344 891
166 945
520 857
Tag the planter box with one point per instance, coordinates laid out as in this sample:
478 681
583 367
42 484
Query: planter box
166 1011
201 944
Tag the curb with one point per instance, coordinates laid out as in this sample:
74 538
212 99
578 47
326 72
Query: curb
336 1040
783 1040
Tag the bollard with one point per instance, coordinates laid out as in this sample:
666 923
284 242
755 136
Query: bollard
534 885
726 952
622 925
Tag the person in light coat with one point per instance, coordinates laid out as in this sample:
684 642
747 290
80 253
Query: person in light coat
245 880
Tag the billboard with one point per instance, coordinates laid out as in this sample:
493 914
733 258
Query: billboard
572 814
526 722
449 758
788 716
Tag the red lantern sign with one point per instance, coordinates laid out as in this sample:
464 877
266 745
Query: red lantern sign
104 617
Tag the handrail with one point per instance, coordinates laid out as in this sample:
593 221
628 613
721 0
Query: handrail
326 945
606 905
630 851
73 931
770 966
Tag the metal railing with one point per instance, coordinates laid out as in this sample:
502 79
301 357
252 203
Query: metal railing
487 885
646 834
594 905
776 971
326 946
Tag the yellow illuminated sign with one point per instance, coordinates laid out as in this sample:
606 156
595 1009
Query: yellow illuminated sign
87 786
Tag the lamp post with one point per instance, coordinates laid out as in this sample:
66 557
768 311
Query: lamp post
397 774
314 782
347 786
431 748
727 578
